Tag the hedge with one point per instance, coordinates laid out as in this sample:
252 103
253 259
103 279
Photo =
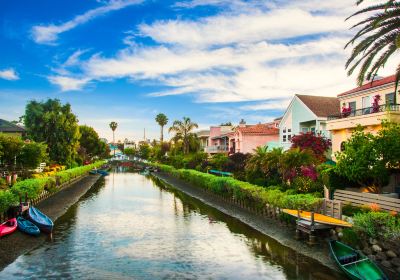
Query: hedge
378 225
253 195
34 187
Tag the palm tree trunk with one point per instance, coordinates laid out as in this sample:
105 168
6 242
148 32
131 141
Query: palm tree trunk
114 142
162 134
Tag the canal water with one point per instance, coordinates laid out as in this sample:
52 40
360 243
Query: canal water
129 226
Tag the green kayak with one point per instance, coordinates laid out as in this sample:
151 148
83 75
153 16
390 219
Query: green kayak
354 263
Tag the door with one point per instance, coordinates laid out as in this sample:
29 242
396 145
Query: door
366 104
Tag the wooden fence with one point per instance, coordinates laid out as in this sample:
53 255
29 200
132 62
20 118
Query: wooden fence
360 199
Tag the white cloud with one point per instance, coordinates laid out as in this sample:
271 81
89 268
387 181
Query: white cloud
245 28
48 34
68 83
9 74
271 105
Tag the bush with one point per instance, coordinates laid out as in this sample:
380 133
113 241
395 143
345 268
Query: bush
377 224
7 198
255 195
350 237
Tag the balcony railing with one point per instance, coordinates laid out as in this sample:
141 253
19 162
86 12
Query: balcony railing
366 111
216 149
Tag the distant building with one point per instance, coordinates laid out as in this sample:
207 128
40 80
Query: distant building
11 129
218 141
203 136
129 144
306 113
246 138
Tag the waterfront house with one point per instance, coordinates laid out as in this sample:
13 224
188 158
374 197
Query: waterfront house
218 141
367 106
306 113
203 136
11 129
246 138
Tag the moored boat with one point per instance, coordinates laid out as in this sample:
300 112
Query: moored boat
8 227
354 263
27 226
102 172
43 222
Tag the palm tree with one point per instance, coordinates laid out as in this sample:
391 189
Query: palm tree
257 159
162 120
378 40
113 126
183 129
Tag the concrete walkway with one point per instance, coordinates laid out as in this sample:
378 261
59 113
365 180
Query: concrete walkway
16 244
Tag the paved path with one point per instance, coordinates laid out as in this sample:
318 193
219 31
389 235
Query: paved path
16 244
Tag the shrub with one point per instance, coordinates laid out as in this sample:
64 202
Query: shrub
377 224
350 237
255 195
7 198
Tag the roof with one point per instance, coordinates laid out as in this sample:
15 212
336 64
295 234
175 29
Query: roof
369 85
258 129
321 106
6 126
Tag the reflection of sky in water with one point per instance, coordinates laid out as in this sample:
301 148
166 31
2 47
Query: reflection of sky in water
131 229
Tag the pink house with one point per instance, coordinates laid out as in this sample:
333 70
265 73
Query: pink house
246 138
218 141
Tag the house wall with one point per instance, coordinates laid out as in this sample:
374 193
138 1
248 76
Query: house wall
341 129
296 113
357 97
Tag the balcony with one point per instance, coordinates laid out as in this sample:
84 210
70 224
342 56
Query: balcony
216 149
365 117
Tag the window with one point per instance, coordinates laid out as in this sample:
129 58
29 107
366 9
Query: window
289 138
304 129
366 104
284 130
389 98
313 130
352 106
342 146
289 130
284 138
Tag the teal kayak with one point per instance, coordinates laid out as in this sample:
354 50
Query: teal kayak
354 263
27 227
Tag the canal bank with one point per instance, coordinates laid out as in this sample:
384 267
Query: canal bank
283 234
12 246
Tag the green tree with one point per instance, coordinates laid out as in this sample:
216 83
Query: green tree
130 152
219 161
293 160
183 130
362 161
90 142
377 39
11 148
32 154
54 124
162 120
144 150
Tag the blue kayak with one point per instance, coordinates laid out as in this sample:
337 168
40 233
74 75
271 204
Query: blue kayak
28 227
43 222
102 172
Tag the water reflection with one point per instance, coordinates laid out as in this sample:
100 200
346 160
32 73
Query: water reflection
130 227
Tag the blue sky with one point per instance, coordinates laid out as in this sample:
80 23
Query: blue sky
211 60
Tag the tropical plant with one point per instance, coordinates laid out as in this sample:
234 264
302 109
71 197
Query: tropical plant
376 41
113 125
293 160
183 130
162 120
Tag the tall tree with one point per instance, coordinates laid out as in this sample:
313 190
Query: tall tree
113 126
183 129
91 142
162 120
54 124
377 39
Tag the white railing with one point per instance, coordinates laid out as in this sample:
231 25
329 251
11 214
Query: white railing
216 149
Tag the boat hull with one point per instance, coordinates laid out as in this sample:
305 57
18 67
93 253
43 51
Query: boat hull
43 222
354 263
27 227
8 227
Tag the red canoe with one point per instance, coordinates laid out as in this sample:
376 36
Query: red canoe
8 227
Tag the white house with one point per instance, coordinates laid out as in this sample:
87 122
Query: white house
306 113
